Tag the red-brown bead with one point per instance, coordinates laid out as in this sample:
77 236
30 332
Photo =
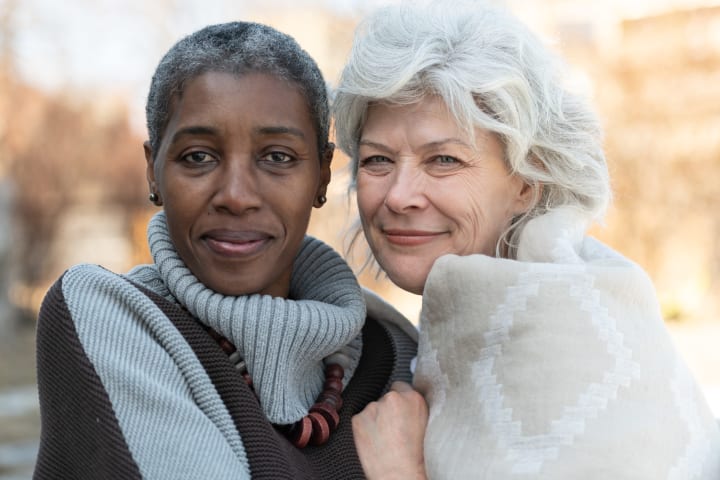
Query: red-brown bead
320 428
333 384
334 371
328 412
334 399
323 417
248 379
226 346
301 432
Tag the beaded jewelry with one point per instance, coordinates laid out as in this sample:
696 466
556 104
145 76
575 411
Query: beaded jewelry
323 418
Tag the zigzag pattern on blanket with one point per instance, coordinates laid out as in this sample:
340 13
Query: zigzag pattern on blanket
556 371
589 399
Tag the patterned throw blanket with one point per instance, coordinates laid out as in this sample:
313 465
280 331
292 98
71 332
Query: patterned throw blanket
556 366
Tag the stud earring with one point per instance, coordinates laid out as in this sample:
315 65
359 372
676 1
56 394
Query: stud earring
153 197
321 199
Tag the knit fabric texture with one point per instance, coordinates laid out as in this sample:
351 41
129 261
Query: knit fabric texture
282 340
132 386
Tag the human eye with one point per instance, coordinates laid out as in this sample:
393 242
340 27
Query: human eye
376 164
198 157
446 160
444 164
277 158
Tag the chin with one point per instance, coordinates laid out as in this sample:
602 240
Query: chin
409 285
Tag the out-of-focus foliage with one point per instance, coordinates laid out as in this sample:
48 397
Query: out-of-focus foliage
655 80
56 152
59 152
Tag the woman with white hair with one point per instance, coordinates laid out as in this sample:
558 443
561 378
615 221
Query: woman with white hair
542 351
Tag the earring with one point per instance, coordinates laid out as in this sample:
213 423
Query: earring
153 197
321 199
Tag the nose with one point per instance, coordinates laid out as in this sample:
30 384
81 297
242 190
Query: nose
407 190
238 187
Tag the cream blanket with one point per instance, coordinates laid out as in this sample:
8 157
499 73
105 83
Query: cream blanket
556 366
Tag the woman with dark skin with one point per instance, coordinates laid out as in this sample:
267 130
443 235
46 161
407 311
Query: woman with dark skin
245 348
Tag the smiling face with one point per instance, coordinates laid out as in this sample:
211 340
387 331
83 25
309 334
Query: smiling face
423 190
238 172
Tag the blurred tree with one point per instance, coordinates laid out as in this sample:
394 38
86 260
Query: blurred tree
60 152
63 153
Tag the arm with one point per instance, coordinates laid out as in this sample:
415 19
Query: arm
80 435
389 435
121 393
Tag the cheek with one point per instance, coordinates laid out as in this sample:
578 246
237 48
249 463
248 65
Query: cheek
297 212
174 186
481 213
363 210
474 231
294 205
368 198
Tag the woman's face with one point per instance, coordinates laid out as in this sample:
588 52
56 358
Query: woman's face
238 172
424 190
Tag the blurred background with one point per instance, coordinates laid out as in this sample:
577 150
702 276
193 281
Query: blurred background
73 81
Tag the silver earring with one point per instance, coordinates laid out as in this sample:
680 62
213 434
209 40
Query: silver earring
153 197
322 199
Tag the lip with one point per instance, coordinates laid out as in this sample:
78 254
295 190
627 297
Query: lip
410 238
236 243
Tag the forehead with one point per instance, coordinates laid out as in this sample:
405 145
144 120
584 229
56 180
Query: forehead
258 98
425 125
266 87
430 110
428 122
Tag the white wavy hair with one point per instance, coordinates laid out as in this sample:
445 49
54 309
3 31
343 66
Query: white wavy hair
493 73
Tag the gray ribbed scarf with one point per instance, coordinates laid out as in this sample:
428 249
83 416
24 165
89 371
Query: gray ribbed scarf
283 341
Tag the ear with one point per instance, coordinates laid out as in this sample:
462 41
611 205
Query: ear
527 196
150 172
325 174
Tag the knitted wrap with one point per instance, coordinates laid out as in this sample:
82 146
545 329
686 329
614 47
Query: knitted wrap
283 341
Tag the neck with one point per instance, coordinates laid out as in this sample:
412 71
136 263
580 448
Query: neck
283 341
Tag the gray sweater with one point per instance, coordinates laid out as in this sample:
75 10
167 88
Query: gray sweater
132 386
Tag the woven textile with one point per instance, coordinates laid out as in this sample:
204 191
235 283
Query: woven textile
556 366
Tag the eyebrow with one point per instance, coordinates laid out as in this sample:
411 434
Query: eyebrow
280 130
440 143
202 130
429 145
378 146
193 130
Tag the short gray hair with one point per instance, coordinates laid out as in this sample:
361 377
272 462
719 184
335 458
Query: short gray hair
238 48
492 73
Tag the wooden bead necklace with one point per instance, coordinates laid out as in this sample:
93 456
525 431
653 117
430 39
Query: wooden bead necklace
323 418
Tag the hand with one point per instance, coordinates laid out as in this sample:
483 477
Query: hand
389 435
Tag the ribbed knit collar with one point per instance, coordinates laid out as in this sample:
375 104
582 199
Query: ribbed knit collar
283 341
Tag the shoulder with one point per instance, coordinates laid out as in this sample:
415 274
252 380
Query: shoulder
91 293
82 280
87 280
